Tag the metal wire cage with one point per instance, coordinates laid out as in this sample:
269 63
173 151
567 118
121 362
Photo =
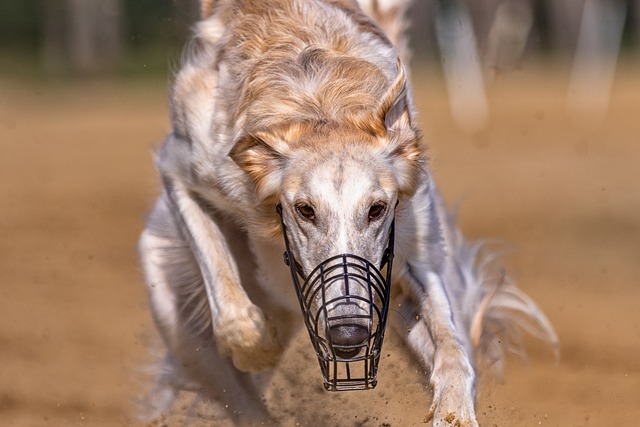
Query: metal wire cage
345 280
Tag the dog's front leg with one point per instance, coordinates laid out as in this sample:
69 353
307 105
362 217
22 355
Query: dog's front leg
239 326
436 340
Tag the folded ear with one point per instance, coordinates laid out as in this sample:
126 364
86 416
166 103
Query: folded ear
393 109
403 139
263 156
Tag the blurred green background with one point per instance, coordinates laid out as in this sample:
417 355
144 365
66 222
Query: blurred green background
79 38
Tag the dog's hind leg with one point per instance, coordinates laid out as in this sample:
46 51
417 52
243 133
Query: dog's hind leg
180 308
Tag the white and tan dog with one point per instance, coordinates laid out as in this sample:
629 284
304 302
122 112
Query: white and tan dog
304 103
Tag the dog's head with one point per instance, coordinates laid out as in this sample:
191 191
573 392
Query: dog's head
338 183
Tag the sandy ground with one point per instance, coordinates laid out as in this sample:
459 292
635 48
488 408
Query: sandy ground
76 178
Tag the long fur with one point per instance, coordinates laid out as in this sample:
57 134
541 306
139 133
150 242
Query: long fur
293 102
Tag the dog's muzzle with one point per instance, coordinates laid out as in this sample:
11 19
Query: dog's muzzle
344 303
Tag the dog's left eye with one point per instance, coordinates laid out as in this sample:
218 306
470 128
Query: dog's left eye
376 210
306 212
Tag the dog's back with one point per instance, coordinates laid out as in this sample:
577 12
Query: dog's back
310 61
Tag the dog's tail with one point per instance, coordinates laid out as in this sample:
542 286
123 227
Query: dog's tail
390 15
496 311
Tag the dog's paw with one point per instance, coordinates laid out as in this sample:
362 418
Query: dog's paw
246 337
452 407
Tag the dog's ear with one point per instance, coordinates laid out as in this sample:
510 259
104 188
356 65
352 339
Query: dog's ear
393 109
262 155
403 138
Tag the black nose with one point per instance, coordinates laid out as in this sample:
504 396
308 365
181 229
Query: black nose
348 340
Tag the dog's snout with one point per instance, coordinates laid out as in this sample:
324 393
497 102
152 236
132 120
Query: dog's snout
348 339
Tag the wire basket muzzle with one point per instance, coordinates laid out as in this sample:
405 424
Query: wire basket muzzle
344 303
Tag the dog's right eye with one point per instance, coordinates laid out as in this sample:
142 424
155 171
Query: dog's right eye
306 212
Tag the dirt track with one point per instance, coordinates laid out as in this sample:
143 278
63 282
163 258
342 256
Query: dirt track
76 179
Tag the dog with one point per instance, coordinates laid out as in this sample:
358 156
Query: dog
306 105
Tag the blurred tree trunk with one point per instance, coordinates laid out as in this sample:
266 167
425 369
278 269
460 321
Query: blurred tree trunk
82 36
565 24
634 11
421 33
54 46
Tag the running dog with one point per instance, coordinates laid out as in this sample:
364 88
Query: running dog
305 105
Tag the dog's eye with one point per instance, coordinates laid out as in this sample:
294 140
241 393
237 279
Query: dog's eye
306 212
376 210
